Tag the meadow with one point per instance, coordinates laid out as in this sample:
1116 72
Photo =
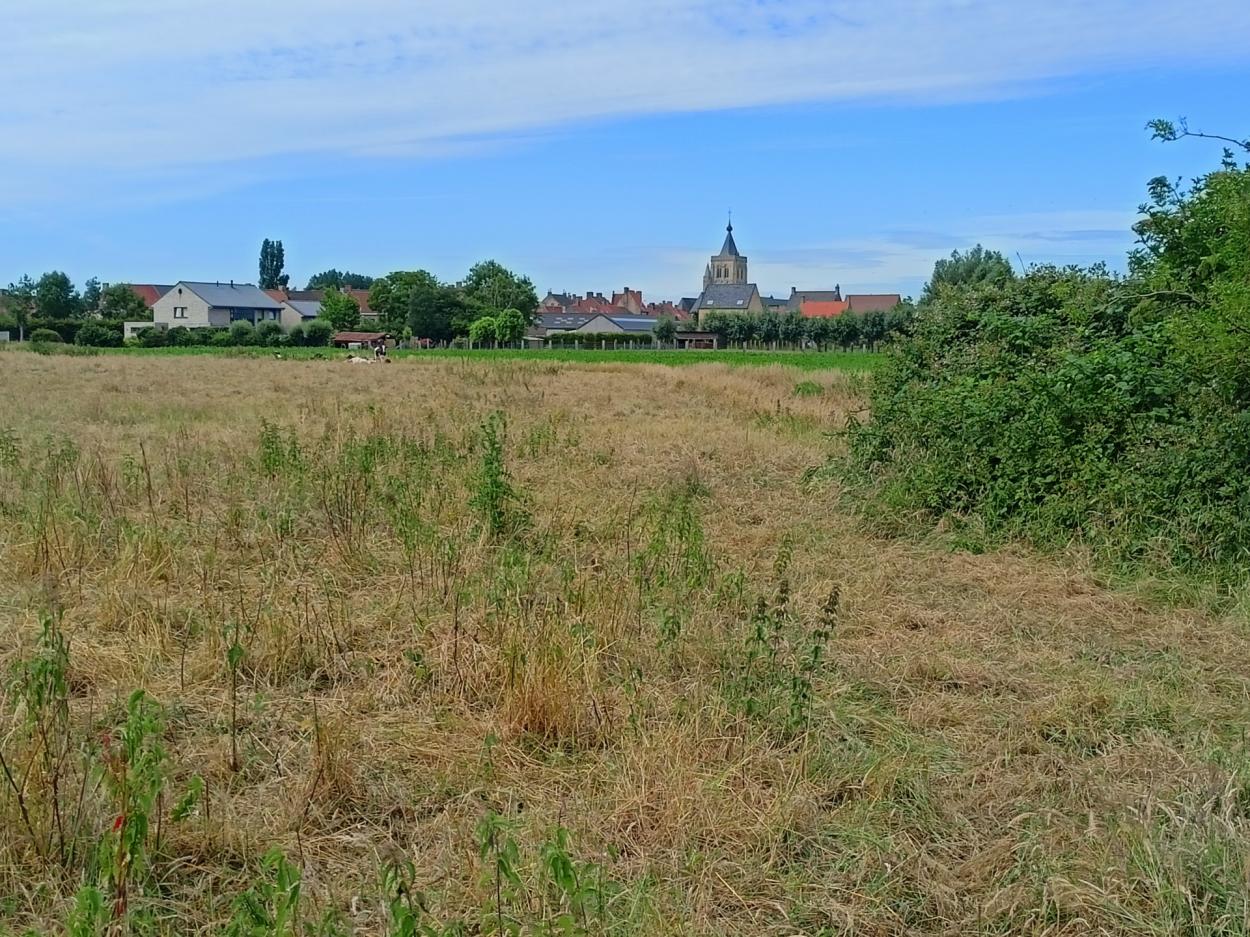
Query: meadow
512 644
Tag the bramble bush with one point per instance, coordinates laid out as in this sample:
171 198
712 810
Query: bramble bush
1070 404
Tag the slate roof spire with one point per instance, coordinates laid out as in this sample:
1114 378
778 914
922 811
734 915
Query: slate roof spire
730 249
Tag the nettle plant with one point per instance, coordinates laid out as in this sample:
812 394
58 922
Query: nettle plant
494 498
548 893
133 774
771 680
89 802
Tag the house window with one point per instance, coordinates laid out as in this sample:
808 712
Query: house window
180 312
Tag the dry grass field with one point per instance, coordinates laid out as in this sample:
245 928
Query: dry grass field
473 647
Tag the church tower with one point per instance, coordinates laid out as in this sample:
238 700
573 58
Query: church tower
728 267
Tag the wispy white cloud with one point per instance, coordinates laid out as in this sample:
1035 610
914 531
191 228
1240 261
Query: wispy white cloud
138 85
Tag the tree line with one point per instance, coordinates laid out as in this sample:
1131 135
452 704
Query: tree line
793 330
53 298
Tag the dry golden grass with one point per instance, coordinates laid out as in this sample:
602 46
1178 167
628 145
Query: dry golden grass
992 744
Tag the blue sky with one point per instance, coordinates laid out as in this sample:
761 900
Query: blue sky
597 145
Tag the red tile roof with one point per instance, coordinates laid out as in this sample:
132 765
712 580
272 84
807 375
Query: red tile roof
623 298
149 292
593 304
362 300
816 309
873 302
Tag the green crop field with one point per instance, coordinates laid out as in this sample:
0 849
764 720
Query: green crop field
804 360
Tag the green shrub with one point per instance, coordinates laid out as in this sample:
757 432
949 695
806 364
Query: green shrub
593 340
242 333
269 333
1071 404
153 338
45 336
180 336
318 333
295 337
67 329
221 338
99 335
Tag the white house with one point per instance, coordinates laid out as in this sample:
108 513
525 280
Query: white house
299 312
214 305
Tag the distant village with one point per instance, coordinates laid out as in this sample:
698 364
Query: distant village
726 290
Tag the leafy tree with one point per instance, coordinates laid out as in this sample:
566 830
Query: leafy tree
482 330
119 301
340 280
20 304
56 298
1193 261
390 296
318 333
91 295
272 262
843 330
743 328
898 320
510 326
732 328
98 335
975 267
491 288
769 327
819 330
665 330
793 328
872 327
340 310
435 310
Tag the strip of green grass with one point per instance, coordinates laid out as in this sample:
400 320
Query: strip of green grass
803 360
806 360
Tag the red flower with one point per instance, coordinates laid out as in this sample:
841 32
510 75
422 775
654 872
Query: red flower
117 824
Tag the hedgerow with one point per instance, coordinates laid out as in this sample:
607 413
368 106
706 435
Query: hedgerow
1073 405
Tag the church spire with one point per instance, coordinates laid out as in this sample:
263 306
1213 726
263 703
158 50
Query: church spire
730 249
